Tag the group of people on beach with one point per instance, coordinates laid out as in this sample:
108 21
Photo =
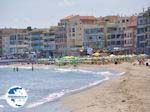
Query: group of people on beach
17 68
142 61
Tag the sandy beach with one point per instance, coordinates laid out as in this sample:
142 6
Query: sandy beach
127 93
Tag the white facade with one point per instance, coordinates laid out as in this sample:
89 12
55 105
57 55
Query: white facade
18 43
6 45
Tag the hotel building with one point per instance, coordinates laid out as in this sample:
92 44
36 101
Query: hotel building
94 37
49 46
61 41
143 32
5 39
18 43
120 33
75 26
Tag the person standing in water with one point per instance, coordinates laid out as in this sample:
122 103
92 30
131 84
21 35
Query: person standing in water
32 67
14 69
17 69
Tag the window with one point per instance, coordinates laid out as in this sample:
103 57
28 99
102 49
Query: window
13 42
75 23
73 29
119 29
112 36
73 34
123 21
112 42
12 50
118 42
141 22
118 36
13 37
51 39
90 38
108 36
125 41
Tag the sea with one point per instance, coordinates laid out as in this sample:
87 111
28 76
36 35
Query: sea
46 87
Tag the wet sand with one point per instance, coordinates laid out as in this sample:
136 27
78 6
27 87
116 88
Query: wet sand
127 93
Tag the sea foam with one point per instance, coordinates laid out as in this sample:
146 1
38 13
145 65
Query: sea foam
53 96
82 71
1 106
3 97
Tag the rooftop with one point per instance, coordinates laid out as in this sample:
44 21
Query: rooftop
81 17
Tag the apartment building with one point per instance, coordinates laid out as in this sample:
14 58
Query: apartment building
5 39
148 32
75 26
61 41
120 33
18 43
130 35
75 33
143 32
0 43
113 33
94 37
36 42
6 45
49 43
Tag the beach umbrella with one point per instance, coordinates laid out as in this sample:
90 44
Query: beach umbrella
60 61
68 57
133 55
96 54
143 55
70 60
112 55
74 60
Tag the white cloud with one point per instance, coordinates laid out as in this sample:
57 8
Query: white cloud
67 3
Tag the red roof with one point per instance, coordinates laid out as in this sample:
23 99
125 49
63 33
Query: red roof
81 17
70 17
87 17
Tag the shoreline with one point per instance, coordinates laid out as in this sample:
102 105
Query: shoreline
43 66
127 93
71 92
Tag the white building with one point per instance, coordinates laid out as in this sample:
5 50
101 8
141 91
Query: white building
6 45
18 43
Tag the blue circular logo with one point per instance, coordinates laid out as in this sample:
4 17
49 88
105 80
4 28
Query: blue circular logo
16 96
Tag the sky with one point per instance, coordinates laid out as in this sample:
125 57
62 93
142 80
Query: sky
46 13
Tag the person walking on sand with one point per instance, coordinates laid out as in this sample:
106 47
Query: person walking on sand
143 61
139 61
